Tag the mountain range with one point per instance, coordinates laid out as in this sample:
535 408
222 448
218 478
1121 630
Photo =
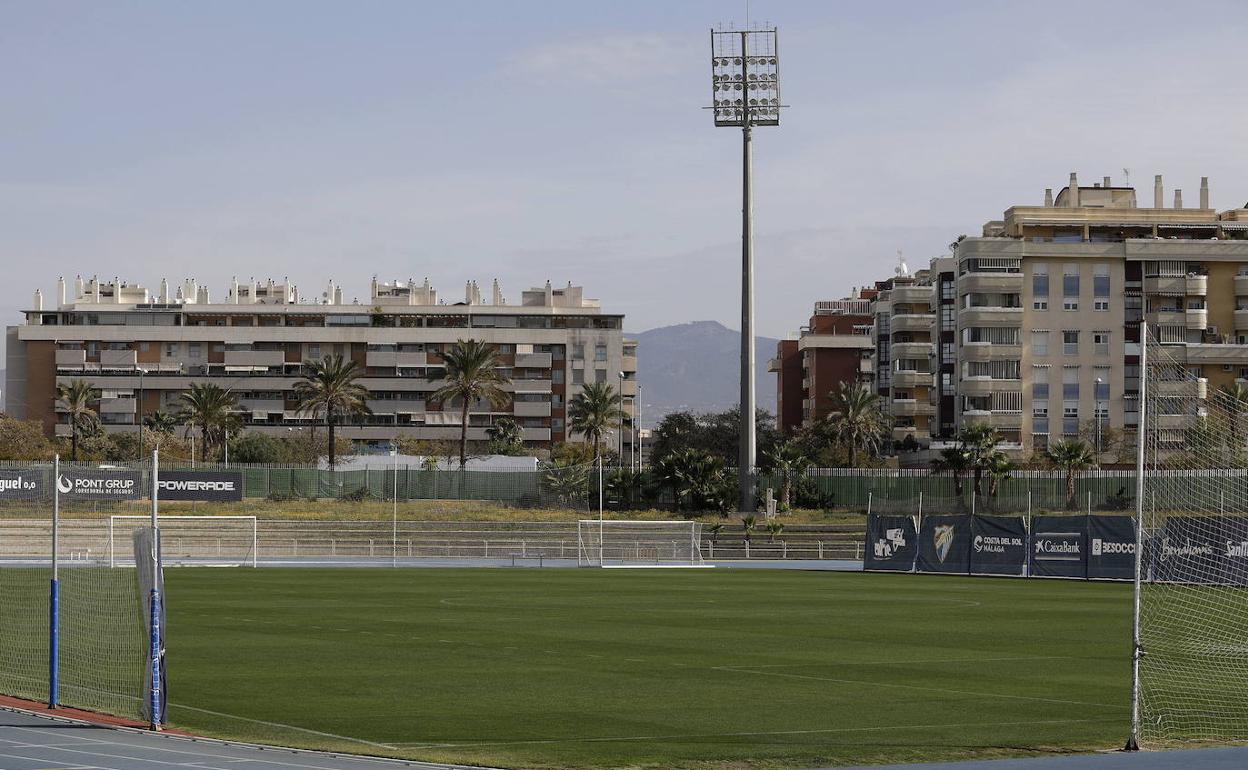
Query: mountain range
695 367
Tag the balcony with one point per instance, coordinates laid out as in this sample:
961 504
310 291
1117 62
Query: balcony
1241 285
1215 354
1184 388
117 405
900 433
908 378
990 316
774 365
976 417
530 386
1176 421
1197 318
531 409
255 357
71 358
866 366
389 359
628 388
117 359
1173 285
629 363
533 360
986 386
1197 285
913 322
1168 317
990 283
535 434
262 405
909 407
916 294
921 350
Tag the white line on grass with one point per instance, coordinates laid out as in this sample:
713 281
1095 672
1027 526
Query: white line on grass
279 724
895 685
698 736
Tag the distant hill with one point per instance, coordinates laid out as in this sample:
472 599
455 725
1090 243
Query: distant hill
694 367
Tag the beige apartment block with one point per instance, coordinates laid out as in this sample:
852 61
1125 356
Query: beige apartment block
1050 299
143 349
904 331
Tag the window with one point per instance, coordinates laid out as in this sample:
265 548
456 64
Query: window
996 335
1134 308
1102 385
1040 287
1100 283
1070 304
1070 342
578 350
171 349
600 352
946 316
556 376
600 376
578 376
1040 343
946 290
1100 343
947 352
1039 383
1040 424
1100 304
1070 281
1070 383
194 348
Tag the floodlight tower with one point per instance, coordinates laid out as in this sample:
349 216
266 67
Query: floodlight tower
745 86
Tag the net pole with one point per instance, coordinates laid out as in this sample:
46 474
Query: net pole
54 593
154 604
1133 742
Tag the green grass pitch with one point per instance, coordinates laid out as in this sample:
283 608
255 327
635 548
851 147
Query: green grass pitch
649 668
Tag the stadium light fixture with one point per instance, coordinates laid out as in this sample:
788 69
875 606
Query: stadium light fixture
745 91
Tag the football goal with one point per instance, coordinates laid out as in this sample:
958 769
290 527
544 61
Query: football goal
214 541
639 543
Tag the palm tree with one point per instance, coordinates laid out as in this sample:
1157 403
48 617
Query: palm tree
1072 456
212 409
471 375
76 397
979 441
330 389
787 460
161 425
955 461
592 411
856 419
505 437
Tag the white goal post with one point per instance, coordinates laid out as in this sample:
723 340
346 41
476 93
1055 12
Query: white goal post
210 541
602 543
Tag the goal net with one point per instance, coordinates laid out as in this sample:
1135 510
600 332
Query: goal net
639 543
1193 593
217 541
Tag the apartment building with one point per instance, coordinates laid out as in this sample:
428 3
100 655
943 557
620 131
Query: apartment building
142 349
905 333
1050 299
834 347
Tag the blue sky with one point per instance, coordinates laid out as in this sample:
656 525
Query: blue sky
564 140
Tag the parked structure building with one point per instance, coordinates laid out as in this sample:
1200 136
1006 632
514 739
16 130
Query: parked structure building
143 350
834 347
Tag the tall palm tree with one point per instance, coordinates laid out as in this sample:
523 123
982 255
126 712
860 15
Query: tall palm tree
856 419
76 398
471 375
330 389
213 410
1072 456
593 411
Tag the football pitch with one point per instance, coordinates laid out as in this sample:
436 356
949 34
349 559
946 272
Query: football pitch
649 668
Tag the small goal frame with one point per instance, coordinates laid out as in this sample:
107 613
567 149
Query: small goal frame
590 550
254 561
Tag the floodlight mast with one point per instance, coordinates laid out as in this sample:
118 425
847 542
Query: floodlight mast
745 87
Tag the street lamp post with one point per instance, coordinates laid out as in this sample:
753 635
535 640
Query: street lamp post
394 527
637 430
1097 396
745 85
138 411
620 443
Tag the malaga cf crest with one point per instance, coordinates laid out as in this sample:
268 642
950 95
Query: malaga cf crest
942 539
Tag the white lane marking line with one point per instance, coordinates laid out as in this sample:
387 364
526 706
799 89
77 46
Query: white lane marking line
67 766
916 687
698 736
279 724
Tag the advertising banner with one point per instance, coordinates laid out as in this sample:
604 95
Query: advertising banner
891 543
96 484
998 545
944 544
195 485
1059 546
26 484
1210 550
1111 547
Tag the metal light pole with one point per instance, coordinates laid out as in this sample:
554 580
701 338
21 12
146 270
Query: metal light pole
1096 395
620 460
394 531
637 429
745 85
139 410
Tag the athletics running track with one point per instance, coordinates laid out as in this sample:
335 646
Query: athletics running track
33 742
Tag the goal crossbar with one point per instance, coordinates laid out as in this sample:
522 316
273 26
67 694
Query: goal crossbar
196 544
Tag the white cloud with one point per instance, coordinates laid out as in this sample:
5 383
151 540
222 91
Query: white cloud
605 60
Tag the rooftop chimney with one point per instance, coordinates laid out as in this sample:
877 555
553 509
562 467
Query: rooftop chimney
38 299
1105 182
164 291
60 291
1072 197
1158 193
1204 192
1048 197
1178 198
